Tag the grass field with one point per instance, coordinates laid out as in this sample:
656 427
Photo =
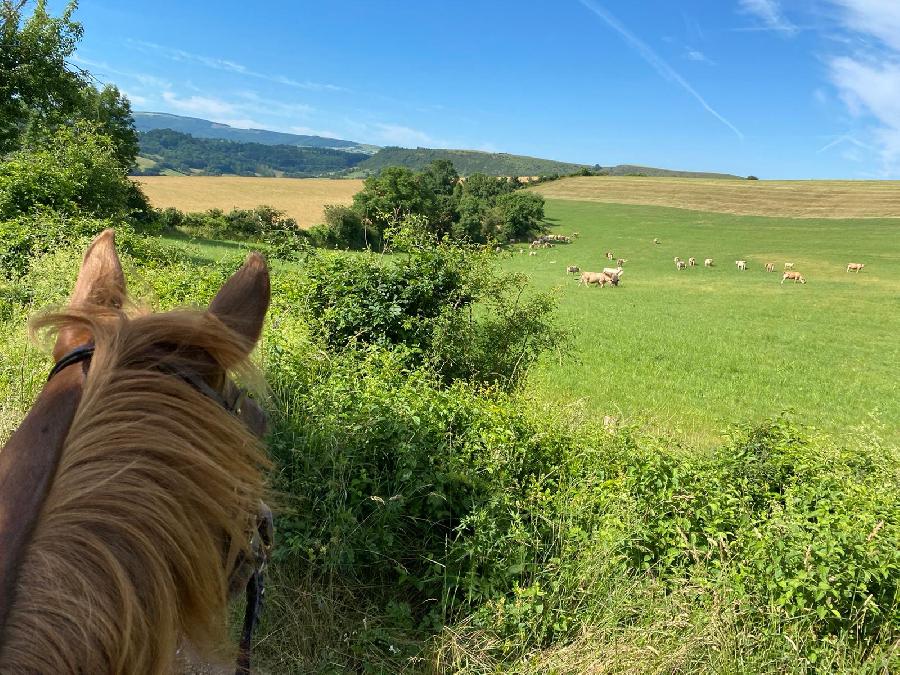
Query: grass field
301 199
788 199
692 350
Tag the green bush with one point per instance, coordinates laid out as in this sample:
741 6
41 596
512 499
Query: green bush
75 172
344 229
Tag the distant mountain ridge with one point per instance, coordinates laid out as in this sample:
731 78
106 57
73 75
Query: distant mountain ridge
244 156
200 128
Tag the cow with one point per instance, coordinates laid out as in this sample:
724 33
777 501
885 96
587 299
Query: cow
613 271
708 262
532 253
796 276
692 262
741 264
621 261
855 267
676 259
656 241
770 267
572 269
609 255
679 265
588 278
788 265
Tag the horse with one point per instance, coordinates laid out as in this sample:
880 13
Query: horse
130 493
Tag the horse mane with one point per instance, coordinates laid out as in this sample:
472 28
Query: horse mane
150 509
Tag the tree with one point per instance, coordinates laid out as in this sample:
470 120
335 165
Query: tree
392 194
37 87
521 214
112 111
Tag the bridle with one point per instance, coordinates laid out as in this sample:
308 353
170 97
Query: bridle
260 539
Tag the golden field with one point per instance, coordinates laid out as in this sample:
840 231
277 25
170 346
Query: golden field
778 198
303 199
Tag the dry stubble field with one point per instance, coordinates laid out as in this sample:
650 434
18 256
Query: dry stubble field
781 198
300 198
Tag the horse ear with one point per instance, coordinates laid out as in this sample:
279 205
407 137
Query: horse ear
101 282
242 302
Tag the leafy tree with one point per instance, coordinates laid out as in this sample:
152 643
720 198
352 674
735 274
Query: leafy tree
37 87
521 212
112 112
394 193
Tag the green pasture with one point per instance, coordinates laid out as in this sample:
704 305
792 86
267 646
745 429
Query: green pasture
691 351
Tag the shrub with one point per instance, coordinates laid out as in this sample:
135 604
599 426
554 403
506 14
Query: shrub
74 172
344 229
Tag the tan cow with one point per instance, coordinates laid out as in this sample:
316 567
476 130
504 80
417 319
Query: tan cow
855 267
621 261
532 253
741 264
708 262
613 271
788 266
692 262
656 241
598 278
770 267
795 276
609 255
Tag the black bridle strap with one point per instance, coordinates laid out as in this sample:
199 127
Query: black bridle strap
77 355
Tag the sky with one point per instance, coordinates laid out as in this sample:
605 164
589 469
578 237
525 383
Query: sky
773 88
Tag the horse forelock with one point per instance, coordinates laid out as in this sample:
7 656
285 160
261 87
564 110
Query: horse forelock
149 509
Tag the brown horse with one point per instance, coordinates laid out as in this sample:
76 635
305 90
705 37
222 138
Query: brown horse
128 492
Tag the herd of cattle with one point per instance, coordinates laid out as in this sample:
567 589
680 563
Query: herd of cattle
611 275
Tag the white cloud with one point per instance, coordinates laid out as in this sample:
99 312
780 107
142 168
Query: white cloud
181 55
770 13
656 62
696 55
135 99
396 134
101 69
204 106
879 18
868 79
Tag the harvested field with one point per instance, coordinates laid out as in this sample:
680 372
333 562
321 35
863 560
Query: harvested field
785 199
303 199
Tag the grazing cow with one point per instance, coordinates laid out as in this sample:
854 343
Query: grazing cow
788 266
572 269
609 255
741 264
708 262
795 276
613 271
575 234
676 259
532 253
855 267
656 241
680 265
692 262
608 279
588 278
621 261
770 267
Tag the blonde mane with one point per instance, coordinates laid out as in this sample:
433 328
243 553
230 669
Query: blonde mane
149 511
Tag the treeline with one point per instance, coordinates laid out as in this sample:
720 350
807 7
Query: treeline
183 153
467 162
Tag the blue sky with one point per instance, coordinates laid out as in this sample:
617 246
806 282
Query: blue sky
776 88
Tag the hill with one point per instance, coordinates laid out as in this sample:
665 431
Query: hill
467 162
200 128
166 151
649 171
782 198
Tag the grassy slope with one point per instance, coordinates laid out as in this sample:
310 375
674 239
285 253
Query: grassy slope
798 199
691 349
466 162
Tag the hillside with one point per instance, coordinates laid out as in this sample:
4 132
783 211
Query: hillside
200 128
784 199
638 170
467 162
164 151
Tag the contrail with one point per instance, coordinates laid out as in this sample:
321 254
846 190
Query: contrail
664 69
846 138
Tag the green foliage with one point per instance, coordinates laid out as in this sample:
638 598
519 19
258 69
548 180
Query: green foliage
36 87
521 214
74 171
343 229
184 153
439 300
111 110
466 162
